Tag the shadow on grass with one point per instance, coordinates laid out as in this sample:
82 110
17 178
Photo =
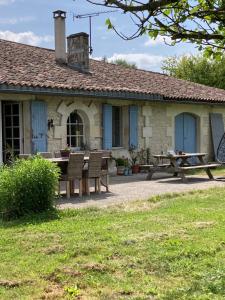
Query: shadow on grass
47 216
30 218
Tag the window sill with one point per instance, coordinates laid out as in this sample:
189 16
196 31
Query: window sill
118 148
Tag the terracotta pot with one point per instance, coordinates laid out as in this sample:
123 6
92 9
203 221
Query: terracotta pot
135 169
65 153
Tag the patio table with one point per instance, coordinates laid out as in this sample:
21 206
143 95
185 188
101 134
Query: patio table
179 164
62 162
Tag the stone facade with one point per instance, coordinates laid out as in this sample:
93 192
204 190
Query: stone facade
156 122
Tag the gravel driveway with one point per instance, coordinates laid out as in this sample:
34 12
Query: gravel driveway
131 188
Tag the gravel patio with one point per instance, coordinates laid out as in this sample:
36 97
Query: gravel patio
131 188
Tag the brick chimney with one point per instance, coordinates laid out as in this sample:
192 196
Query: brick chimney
78 51
60 36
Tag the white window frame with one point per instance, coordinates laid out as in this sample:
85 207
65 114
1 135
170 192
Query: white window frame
20 125
77 137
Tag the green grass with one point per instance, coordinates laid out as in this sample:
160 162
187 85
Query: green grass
170 247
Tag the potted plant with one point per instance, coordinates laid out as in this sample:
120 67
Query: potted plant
65 152
120 164
134 160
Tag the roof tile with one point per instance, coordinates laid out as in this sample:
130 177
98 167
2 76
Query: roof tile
25 65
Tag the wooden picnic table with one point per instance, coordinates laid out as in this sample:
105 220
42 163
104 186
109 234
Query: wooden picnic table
180 164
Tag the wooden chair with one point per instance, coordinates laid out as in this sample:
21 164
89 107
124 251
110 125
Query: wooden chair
45 154
105 169
74 171
24 156
94 171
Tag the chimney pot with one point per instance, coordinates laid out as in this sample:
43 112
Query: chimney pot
60 36
78 51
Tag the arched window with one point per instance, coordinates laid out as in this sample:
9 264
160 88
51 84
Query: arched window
75 130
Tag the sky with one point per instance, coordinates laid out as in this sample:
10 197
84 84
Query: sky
31 22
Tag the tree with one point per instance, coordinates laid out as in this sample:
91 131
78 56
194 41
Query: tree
121 62
197 21
197 69
124 63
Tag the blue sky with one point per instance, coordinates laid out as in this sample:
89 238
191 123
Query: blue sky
31 22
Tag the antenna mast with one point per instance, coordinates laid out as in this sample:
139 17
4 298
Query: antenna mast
90 16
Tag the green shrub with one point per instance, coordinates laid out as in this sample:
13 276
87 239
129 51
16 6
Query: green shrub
27 186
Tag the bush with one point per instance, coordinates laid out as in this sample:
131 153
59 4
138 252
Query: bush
28 186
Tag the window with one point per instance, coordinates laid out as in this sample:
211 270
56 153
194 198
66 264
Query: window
11 132
116 126
75 130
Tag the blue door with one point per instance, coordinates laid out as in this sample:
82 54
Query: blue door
39 126
185 133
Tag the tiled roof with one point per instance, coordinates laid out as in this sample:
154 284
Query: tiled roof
24 65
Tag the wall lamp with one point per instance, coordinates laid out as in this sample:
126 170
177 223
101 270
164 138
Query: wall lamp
50 124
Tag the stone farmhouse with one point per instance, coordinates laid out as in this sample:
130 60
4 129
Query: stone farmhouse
53 98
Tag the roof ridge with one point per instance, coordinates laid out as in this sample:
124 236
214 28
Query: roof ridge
136 69
27 45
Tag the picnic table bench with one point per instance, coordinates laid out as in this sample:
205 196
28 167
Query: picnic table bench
180 164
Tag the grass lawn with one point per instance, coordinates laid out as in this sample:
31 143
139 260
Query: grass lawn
170 247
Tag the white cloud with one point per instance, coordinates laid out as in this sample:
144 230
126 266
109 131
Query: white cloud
27 37
142 60
158 41
6 2
13 21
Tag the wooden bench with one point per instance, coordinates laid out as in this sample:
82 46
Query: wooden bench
207 166
145 167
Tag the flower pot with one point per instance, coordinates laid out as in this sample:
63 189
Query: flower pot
135 169
120 170
65 153
126 171
130 172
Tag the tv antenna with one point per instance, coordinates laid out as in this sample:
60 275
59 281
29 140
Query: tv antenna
90 16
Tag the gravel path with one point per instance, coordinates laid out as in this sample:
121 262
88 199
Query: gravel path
131 188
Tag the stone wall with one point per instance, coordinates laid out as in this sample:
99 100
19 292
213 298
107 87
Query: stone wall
156 122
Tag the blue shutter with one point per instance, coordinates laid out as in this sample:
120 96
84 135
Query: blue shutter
133 141
217 129
107 126
39 126
185 133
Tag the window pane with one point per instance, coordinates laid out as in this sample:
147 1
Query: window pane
16 132
15 109
72 118
73 142
73 130
81 129
8 144
8 132
8 109
68 141
16 121
8 121
16 143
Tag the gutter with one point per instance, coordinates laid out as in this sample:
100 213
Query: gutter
17 89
